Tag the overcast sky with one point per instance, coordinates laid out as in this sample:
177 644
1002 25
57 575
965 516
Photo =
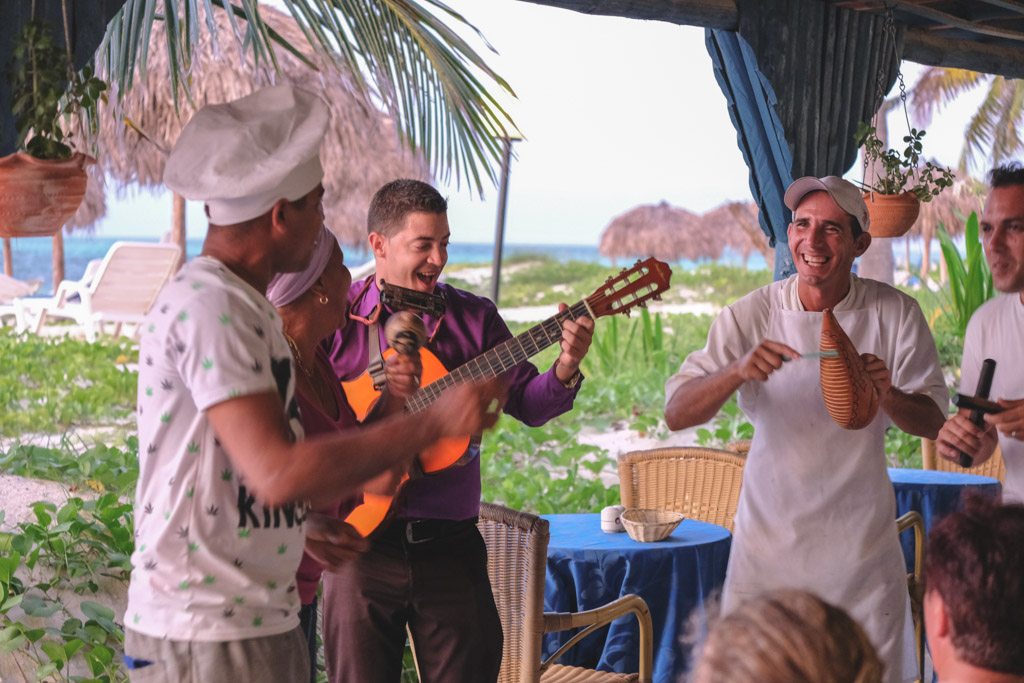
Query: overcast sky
615 112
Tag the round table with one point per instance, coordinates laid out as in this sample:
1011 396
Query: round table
588 568
934 494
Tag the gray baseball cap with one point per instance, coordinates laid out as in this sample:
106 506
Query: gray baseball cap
845 194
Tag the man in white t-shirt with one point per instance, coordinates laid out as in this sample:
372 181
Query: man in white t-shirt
996 331
224 477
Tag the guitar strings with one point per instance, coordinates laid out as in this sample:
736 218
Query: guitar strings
504 356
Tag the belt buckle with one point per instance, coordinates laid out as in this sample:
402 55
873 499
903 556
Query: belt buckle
410 535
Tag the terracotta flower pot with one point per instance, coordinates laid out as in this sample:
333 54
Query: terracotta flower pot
38 196
892 214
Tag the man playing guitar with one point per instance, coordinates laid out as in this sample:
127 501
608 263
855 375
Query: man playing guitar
427 565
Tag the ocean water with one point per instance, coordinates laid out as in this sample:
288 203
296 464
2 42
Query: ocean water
32 256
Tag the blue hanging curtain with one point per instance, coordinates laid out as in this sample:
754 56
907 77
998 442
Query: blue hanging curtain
798 76
760 136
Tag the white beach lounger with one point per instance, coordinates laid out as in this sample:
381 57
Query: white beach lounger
10 289
121 290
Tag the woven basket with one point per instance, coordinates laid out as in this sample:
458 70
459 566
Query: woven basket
650 525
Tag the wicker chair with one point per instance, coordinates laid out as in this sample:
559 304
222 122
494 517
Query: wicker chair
517 564
739 447
993 467
913 520
701 483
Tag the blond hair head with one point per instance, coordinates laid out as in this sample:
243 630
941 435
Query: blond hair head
788 636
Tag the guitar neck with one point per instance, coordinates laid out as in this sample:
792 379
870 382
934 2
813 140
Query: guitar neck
501 358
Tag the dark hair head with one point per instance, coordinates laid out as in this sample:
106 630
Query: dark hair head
399 198
1006 175
975 560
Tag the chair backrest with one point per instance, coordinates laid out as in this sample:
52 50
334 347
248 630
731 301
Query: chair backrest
701 483
993 467
517 545
131 276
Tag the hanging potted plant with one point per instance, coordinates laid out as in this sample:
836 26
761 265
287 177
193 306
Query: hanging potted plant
42 186
894 196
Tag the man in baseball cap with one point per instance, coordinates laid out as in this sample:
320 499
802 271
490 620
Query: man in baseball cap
224 474
816 510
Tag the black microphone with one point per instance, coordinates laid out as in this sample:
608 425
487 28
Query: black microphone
988 369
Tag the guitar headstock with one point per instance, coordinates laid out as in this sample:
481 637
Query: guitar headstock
632 287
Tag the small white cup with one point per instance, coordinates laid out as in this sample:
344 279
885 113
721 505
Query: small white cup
611 519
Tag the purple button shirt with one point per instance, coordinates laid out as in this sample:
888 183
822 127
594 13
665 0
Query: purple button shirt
470 327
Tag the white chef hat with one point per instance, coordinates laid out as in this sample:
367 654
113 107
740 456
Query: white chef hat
241 157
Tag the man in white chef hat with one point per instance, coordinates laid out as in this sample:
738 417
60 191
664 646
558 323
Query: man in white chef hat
224 475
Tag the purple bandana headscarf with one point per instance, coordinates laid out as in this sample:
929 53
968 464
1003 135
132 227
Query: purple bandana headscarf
287 287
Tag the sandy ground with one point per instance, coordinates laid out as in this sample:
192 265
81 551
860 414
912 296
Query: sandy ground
624 440
20 493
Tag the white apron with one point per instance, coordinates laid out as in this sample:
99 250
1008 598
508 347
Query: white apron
817 509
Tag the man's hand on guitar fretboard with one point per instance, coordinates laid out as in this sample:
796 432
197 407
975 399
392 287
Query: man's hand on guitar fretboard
576 337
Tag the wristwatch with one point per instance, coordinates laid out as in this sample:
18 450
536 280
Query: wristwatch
573 380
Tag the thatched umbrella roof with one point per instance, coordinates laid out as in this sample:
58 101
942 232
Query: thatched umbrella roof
951 207
361 152
736 225
661 230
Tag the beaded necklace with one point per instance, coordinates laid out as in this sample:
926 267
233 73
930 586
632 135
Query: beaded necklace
324 392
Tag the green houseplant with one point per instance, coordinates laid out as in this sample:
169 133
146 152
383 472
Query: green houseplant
970 280
894 196
41 188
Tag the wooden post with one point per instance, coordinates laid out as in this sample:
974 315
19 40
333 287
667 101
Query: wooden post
8 258
499 226
58 259
178 226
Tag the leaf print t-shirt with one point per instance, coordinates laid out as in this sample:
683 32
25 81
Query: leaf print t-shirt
211 563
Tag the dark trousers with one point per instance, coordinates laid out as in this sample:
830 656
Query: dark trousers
307 622
431 576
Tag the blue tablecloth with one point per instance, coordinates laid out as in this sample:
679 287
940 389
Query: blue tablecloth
588 568
934 494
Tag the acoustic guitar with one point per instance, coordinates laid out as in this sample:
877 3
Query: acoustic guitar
632 287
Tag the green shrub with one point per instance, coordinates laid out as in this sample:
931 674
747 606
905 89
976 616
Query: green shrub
51 384
78 545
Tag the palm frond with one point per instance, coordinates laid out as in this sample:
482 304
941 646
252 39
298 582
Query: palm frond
1006 142
981 129
937 87
408 53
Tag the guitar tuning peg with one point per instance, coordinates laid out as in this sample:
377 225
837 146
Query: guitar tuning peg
628 312
657 297
643 304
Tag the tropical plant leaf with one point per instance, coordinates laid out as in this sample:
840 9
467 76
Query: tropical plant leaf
409 54
937 87
970 280
993 132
